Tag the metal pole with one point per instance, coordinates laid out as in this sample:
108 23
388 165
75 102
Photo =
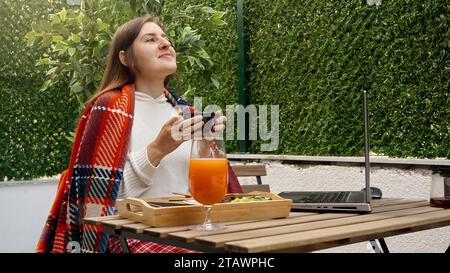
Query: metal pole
366 148
242 77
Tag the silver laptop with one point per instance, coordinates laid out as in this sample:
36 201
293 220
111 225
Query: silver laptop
350 201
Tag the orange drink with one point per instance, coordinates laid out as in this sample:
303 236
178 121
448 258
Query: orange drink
208 179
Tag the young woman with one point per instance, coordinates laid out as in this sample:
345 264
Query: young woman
125 144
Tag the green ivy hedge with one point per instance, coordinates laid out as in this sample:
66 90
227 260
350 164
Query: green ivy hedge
312 58
33 124
34 127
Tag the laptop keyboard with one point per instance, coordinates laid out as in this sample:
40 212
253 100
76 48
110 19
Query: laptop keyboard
328 197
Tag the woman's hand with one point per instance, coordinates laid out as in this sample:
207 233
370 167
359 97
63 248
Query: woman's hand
212 128
220 123
173 133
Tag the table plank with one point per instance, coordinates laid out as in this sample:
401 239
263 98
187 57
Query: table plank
95 221
297 239
392 207
141 228
137 228
393 201
117 224
382 201
220 240
189 236
164 231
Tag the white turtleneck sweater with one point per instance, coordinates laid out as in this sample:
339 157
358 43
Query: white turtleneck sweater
141 178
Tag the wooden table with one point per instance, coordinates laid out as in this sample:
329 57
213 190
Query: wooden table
300 232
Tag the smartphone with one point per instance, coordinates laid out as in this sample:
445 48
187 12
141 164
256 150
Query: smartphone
207 116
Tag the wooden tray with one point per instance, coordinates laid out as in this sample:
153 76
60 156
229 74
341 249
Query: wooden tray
147 211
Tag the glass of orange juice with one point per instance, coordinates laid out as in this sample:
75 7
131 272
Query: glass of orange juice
208 177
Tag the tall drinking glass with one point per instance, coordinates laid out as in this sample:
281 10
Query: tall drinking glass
208 177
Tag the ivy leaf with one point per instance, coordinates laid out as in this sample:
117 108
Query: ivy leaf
37 27
192 60
51 71
208 10
45 26
57 38
74 37
63 14
30 37
199 63
71 137
43 61
216 18
71 51
46 40
45 85
102 26
216 83
77 88
55 19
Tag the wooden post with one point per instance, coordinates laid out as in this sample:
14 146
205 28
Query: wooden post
242 73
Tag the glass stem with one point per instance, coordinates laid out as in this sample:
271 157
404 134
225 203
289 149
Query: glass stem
208 216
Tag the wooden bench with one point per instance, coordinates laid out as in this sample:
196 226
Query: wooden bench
256 170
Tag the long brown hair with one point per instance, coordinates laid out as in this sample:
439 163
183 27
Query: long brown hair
116 74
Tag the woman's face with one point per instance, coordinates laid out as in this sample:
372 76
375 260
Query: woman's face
154 56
